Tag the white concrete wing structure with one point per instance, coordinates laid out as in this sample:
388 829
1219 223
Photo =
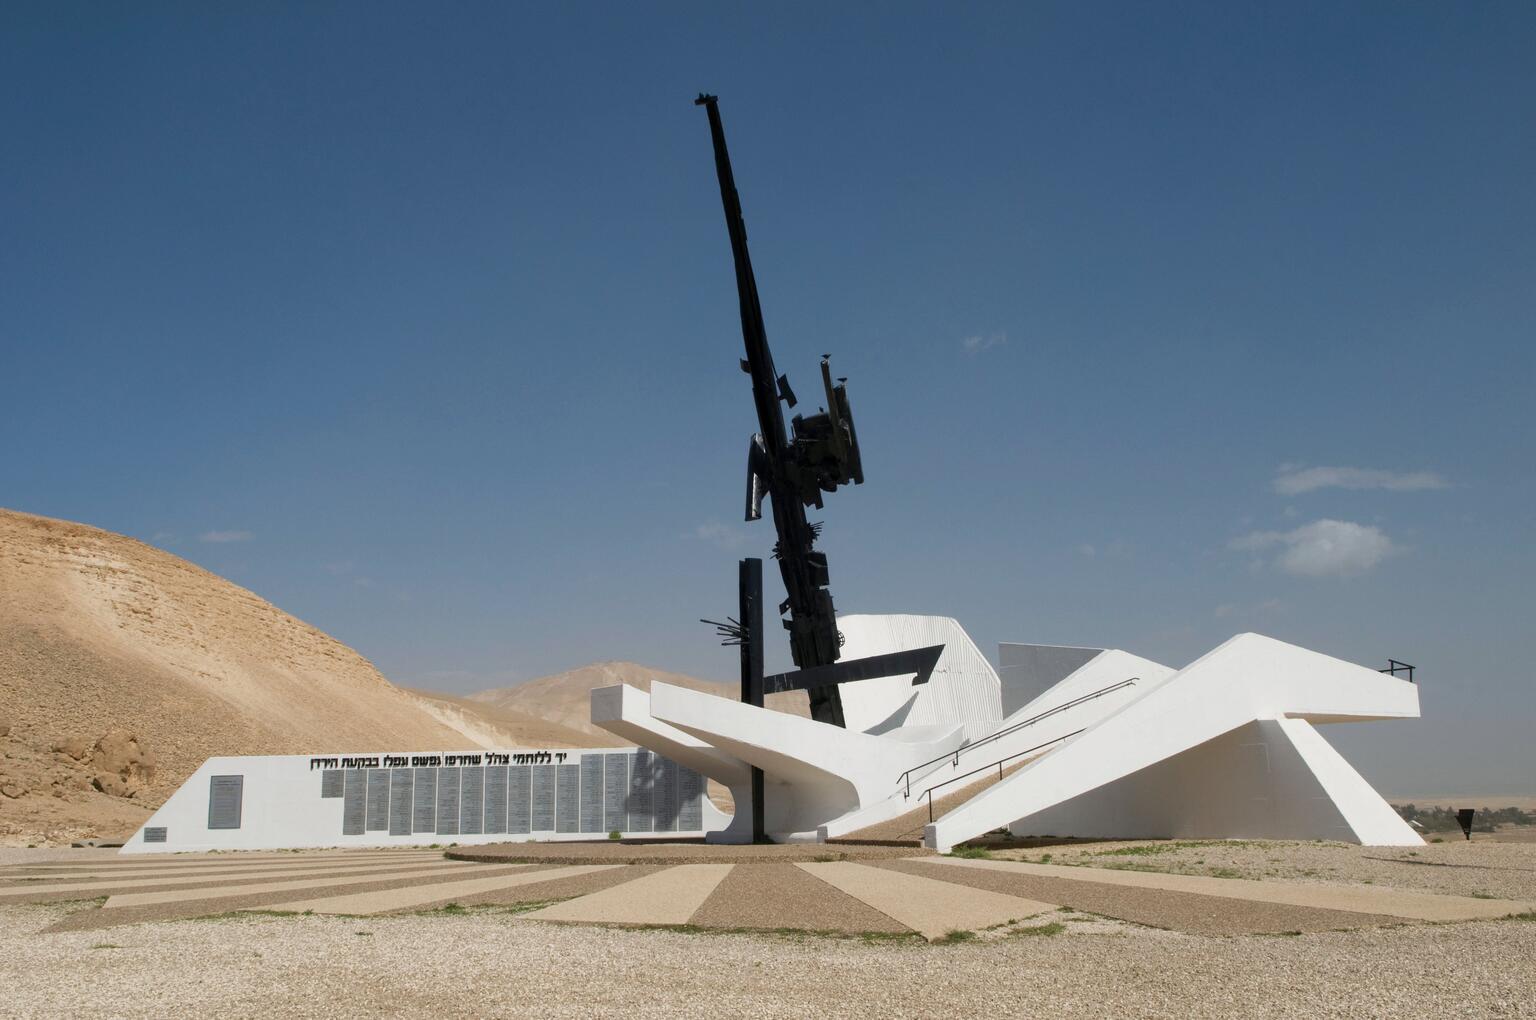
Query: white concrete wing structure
626 712
1102 742
1223 748
813 773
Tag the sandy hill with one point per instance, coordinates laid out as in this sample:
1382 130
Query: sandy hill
123 667
491 725
563 698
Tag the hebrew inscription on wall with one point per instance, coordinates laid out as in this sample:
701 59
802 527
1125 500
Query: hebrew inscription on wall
491 793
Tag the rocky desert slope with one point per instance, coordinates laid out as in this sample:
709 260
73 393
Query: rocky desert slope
123 667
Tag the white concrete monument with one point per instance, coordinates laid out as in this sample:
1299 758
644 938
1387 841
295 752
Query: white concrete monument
1113 745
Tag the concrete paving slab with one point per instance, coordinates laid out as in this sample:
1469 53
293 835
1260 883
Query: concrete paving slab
1394 902
670 896
1156 908
92 919
772 896
564 888
927 906
101 887
177 862
206 892
416 897
201 870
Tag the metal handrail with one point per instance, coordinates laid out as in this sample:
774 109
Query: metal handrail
999 763
906 777
1394 667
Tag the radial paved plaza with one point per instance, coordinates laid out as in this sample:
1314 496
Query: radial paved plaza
931 897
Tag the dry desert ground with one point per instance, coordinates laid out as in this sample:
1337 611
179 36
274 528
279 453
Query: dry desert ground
497 960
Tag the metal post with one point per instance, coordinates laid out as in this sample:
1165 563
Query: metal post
750 576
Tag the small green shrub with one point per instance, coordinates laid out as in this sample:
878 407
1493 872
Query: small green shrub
1050 928
614 834
954 937
972 852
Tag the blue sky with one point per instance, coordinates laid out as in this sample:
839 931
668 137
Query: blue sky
1162 323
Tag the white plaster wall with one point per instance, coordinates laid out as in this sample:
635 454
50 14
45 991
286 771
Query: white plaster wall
964 688
282 809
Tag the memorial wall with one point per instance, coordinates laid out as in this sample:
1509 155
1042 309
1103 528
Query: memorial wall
412 799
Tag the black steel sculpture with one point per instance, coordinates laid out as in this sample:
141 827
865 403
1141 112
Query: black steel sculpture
823 454
792 472
820 453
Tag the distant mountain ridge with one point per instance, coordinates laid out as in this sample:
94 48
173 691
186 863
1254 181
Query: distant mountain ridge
563 699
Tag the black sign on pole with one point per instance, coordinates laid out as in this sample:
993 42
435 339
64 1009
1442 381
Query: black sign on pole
751 584
746 633
1464 818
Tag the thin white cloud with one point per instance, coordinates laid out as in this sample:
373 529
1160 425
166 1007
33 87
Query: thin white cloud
225 536
1295 479
1229 609
719 535
983 342
1322 548
1114 547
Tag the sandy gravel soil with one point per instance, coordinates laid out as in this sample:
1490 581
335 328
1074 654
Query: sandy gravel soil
492 963
622 852
1478 868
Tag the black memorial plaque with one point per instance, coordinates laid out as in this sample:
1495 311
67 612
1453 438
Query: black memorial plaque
472 805
378 800
496 798
591 793
424 801
664 797
400 802
616 792
543 798
353 804
642 784
690 804
330 783
519 798
448 802
225 794
568 798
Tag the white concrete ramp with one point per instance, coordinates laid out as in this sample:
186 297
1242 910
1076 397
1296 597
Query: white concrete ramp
1221 749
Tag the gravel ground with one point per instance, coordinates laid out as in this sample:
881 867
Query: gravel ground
618 852
1499 870
483 963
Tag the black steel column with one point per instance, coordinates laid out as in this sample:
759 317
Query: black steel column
751 584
